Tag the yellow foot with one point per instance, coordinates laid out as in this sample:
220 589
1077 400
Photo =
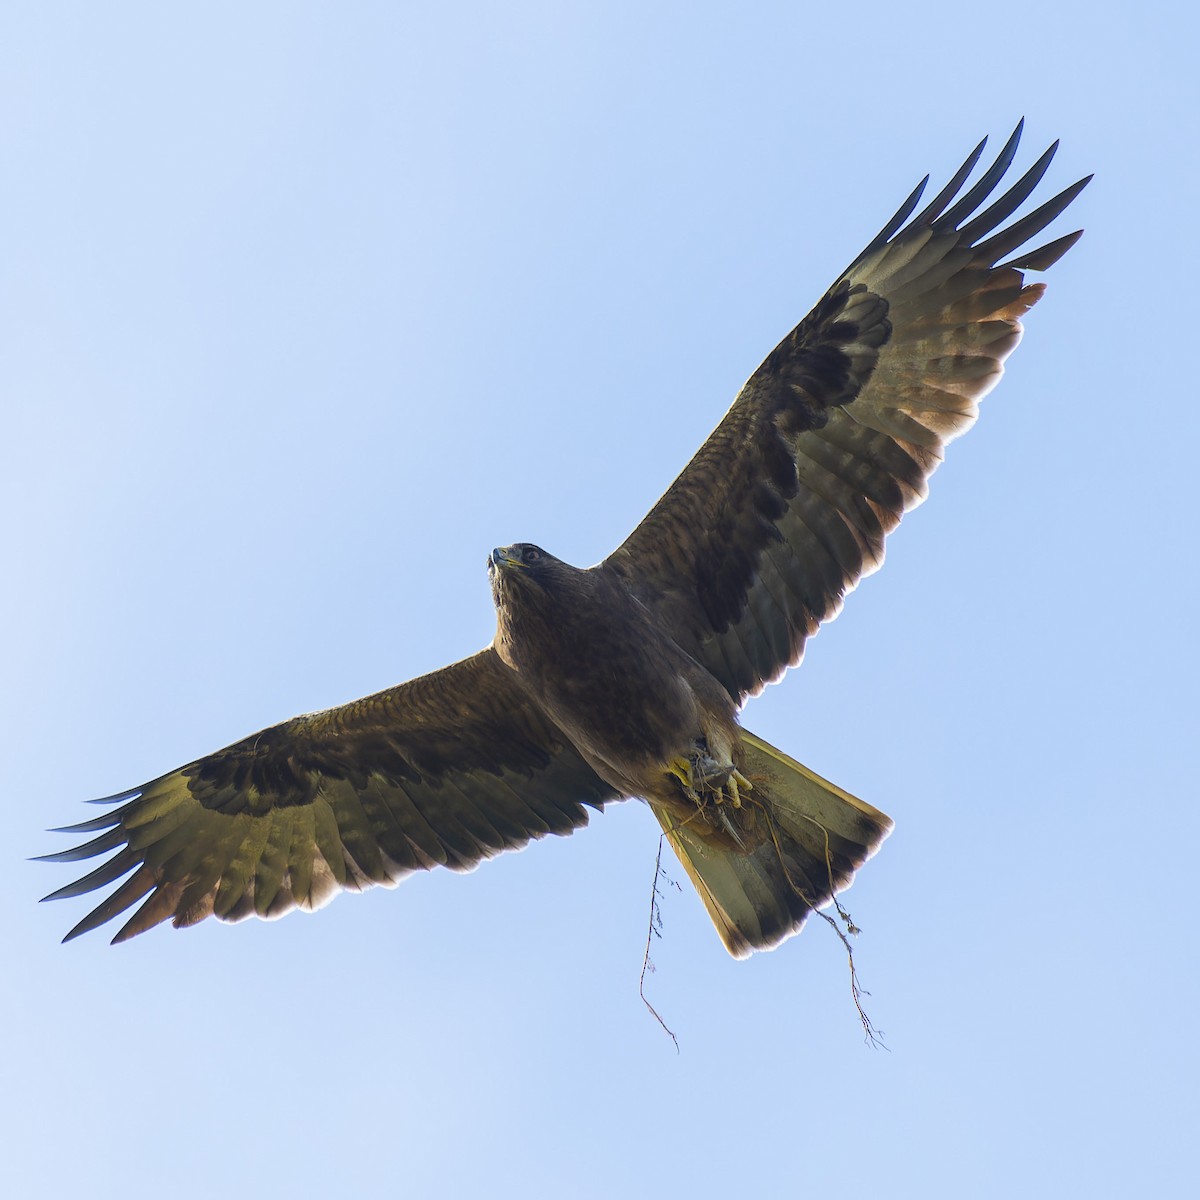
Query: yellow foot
724 782
734 786
681 768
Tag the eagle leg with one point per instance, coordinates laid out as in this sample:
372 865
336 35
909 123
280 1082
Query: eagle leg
723 780
700 773
735 785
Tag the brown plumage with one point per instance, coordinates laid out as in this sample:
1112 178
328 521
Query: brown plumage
626 679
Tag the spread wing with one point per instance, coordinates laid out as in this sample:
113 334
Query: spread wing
787 504
448 769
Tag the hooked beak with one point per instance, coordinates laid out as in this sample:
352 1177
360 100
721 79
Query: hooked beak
503 556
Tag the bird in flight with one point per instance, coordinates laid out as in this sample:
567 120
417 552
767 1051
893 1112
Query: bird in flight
627 679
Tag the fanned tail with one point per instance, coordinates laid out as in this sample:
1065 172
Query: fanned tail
803 839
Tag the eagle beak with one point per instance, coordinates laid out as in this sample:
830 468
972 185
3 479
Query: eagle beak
503 556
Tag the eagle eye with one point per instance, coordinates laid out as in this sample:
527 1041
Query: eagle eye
531 554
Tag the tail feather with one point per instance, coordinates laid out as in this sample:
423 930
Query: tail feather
803 837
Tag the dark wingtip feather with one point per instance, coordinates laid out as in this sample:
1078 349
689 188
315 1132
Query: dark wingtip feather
901 215
103 875
96 823
130 892
1009 239
1009 202
1043 258
987 181
101 845
935 206
84 926
120 797
155 909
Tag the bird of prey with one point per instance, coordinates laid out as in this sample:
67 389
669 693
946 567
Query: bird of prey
626 679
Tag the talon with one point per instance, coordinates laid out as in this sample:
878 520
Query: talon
681 768
702 775
737 781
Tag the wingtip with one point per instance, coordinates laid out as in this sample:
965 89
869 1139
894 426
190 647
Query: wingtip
77 931
107 821
118 798
66 892
1014 140
1043 258
898 218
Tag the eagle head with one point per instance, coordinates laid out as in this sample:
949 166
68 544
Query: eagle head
526 574
521 556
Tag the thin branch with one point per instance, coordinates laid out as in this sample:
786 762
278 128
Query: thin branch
655 930
873 1036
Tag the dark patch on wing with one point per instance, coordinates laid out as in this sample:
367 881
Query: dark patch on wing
448 769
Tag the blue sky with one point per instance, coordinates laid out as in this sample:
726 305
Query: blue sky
303 308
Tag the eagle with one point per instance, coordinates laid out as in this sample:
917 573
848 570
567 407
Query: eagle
627 679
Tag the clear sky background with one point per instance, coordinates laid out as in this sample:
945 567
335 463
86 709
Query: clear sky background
304 307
